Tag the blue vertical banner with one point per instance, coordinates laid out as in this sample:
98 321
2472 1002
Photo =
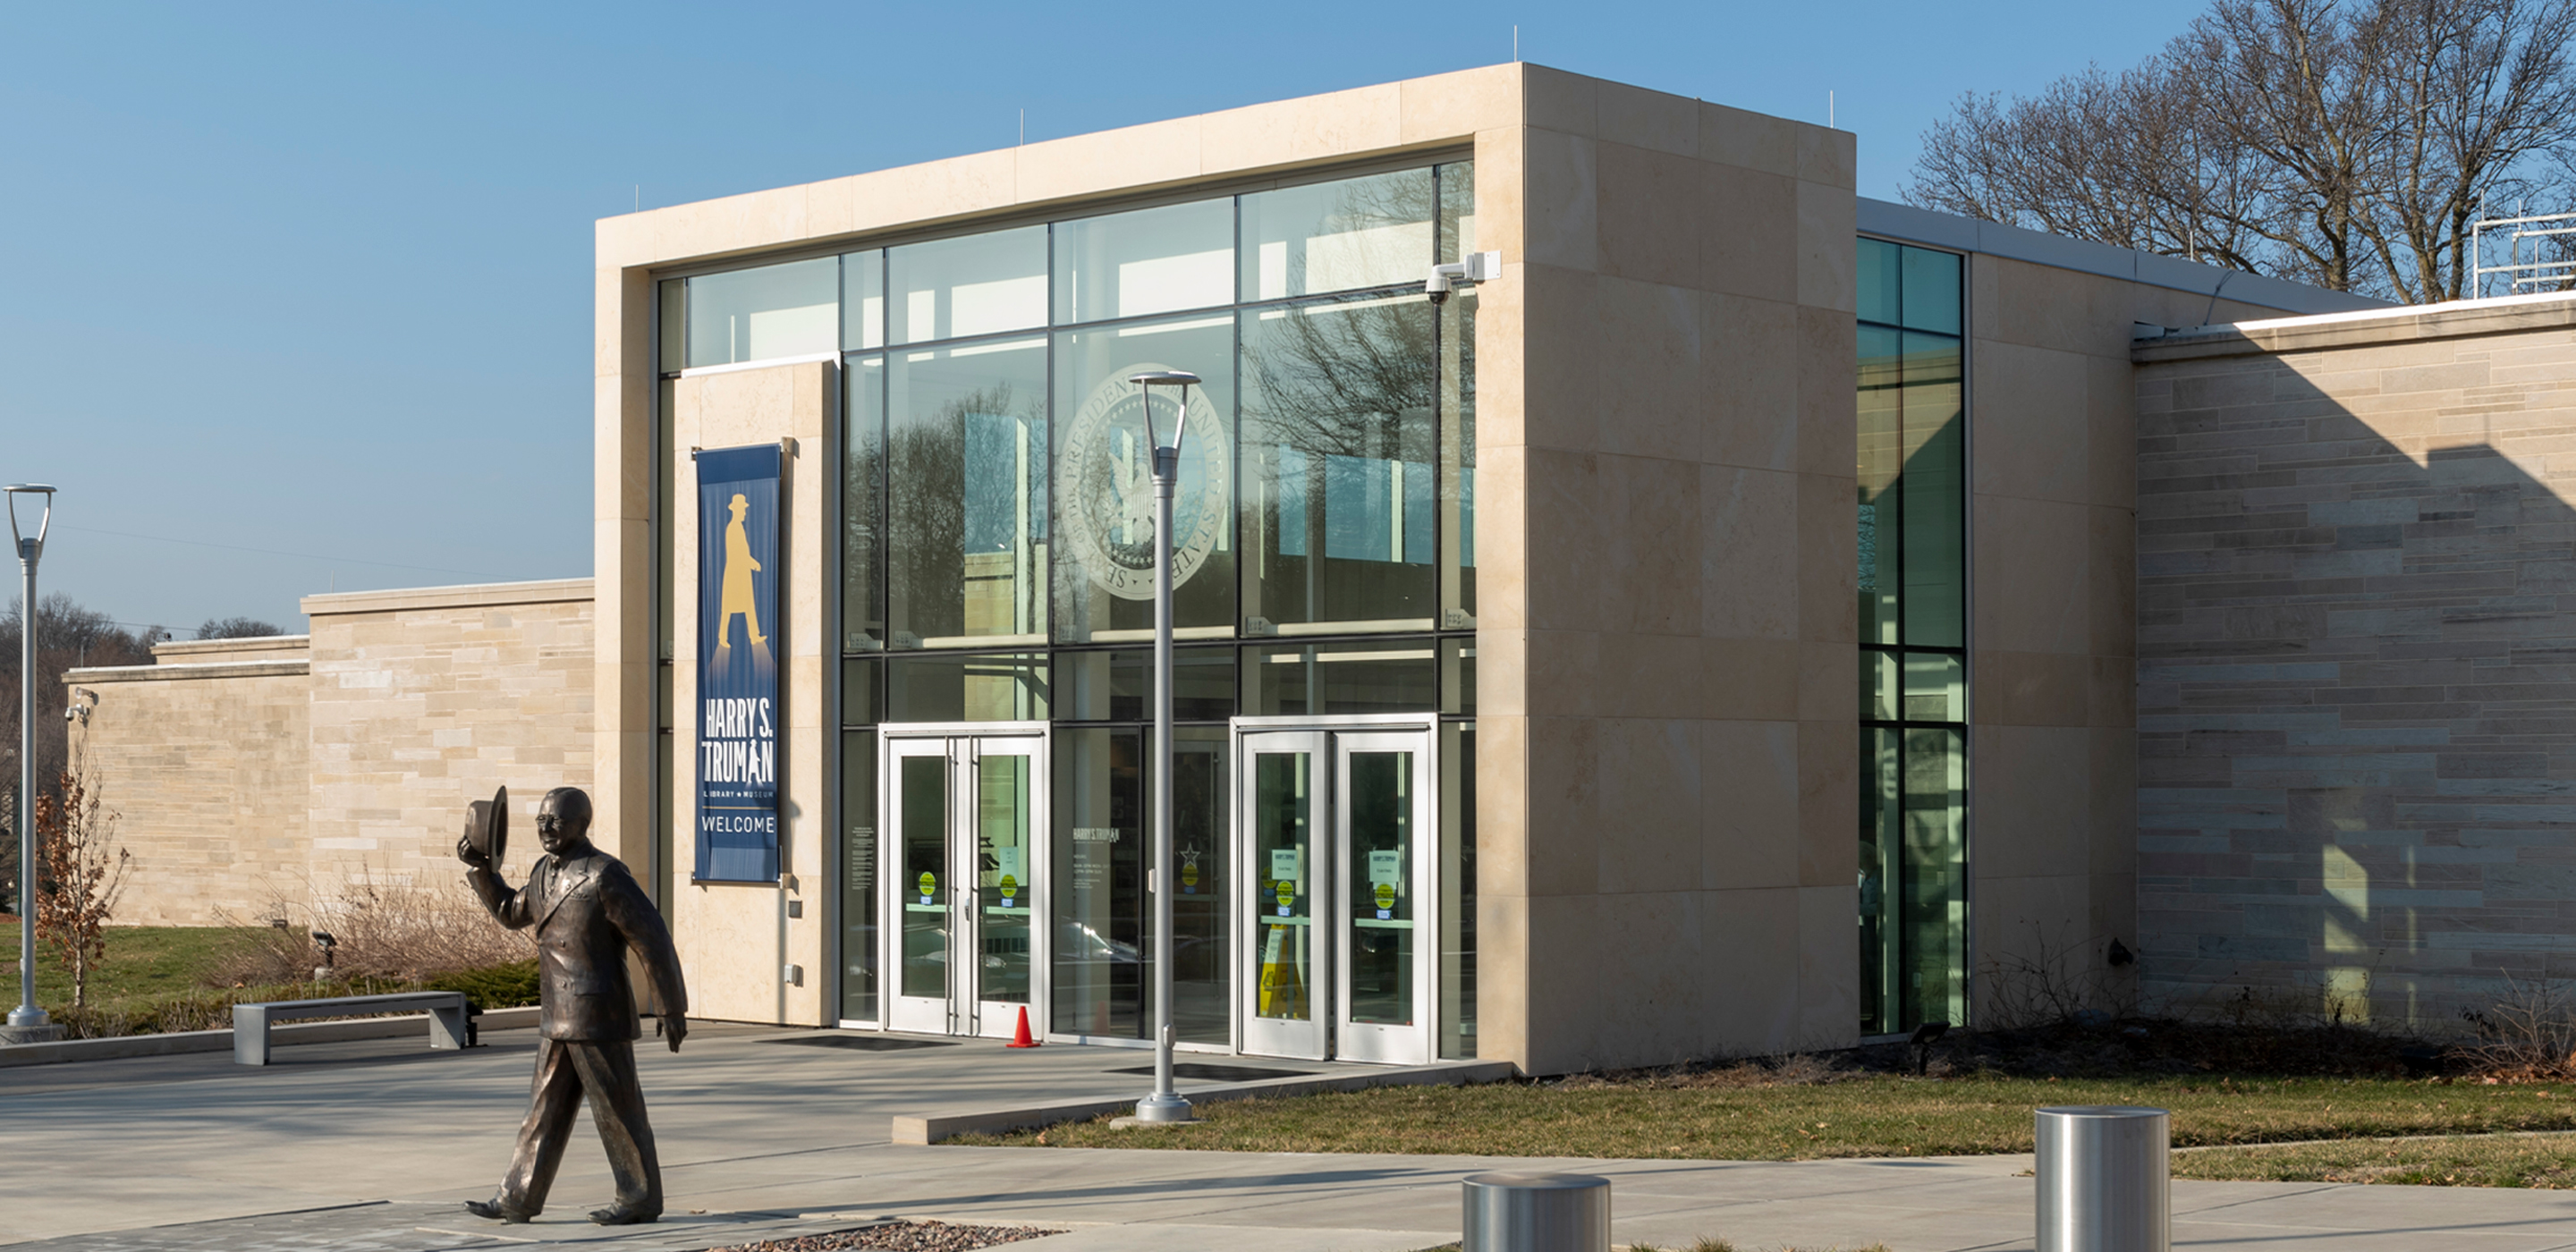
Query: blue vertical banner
737 705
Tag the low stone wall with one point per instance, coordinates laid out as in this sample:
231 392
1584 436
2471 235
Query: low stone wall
251 774
424 701
204 756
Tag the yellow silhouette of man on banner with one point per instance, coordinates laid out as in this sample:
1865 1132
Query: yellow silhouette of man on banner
739 566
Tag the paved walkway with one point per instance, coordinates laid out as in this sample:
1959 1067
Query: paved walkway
370 1147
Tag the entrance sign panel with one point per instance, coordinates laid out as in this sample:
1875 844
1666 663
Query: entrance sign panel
738 568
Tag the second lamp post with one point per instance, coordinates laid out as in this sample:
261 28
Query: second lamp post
1165 1104
28 1022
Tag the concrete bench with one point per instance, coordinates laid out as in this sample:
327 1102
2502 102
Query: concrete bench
446 1011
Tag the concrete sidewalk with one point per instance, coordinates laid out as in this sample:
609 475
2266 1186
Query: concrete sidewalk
372 1145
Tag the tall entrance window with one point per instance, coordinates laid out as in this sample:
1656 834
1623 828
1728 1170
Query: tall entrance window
1913 632
994 542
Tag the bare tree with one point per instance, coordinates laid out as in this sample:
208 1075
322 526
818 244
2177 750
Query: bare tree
2345 143
237 628
80 872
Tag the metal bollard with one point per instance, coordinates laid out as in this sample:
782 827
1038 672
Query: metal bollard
2103 1178
1536 1213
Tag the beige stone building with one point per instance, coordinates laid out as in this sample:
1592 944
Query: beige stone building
1714 628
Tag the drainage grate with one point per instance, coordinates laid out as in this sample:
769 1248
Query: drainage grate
1219 1073
864 1043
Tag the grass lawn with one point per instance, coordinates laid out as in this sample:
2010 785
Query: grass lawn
2535 1160
1878 1115
160 978
145 964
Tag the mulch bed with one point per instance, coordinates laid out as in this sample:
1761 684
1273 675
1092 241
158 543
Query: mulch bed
899 1237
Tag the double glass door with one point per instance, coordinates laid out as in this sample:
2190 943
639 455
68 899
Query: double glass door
963 873
1338 948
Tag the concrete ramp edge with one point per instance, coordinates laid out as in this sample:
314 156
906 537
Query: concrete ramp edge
926 1128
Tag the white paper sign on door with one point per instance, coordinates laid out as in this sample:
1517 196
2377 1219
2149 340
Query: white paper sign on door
1014 874
1387 869
1386 882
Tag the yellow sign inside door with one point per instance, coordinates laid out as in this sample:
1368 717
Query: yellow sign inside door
1283 988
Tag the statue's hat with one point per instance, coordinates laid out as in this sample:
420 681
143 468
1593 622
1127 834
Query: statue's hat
487 825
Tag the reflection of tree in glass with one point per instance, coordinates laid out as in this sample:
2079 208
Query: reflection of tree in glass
863 476
955 491
1339 380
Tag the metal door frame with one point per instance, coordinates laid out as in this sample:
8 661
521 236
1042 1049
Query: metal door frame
1254 1034
1395 1045
963 745
1331 832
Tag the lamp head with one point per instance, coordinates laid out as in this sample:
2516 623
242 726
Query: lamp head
1150 379
28 551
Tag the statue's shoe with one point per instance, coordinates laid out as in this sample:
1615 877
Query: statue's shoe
494 1210
623 1216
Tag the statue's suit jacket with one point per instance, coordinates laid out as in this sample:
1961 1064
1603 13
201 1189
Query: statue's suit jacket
589 913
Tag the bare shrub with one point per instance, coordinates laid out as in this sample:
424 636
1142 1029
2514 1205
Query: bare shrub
2050 984
382 926
2527 1036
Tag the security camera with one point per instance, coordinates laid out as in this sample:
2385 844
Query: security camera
1444 279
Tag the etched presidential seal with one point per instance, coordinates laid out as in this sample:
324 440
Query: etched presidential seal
1104 485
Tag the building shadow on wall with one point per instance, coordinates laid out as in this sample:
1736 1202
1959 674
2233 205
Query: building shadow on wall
2356 690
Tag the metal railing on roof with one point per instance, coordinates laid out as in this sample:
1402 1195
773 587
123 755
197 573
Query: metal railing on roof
2550 265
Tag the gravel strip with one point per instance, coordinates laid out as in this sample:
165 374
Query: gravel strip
899 1237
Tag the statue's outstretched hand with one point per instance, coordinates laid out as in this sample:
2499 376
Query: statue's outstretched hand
471 855
672 1028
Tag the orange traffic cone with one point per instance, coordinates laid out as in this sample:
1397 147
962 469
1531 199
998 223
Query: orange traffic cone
1020 1038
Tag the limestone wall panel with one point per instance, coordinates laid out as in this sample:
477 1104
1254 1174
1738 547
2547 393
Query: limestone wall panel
204 762
736 940
2351 707
422 702
1686 501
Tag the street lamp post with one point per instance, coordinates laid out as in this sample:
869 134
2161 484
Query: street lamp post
1165 1104
27 1022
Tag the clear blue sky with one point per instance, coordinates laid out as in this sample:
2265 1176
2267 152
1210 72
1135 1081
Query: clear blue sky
298 295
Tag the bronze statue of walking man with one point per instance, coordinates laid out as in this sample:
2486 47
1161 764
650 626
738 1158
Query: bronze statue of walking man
589 913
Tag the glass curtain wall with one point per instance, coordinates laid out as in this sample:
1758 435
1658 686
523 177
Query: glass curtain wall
996 523
1913 631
